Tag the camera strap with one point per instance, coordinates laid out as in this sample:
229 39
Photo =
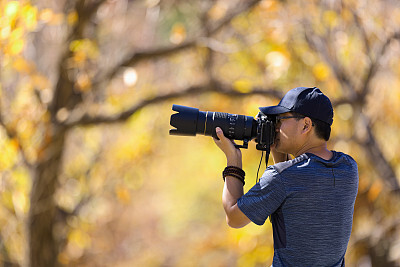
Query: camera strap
259 165
266 163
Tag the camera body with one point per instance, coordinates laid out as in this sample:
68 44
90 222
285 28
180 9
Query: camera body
265 131
190 121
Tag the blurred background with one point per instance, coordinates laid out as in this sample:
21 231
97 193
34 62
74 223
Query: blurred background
89 174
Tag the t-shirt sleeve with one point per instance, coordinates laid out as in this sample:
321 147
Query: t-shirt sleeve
264 198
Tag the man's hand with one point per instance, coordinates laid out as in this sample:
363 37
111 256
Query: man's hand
233 154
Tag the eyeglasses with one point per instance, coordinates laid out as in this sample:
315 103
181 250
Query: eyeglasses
279 118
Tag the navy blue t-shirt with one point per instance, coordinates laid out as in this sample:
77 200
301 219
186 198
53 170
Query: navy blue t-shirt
310 202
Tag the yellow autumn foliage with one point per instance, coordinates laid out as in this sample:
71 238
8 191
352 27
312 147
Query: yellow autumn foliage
129 194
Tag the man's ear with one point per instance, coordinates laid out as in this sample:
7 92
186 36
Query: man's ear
307 125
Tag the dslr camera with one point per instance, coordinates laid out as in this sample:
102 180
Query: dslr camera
190 121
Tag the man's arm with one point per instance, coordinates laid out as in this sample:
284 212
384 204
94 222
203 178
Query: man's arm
233 188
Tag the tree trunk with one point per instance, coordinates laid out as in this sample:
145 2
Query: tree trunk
43 247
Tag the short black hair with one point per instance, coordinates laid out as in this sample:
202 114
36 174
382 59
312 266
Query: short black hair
322 129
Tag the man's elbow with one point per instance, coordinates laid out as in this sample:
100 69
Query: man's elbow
235 218
235 223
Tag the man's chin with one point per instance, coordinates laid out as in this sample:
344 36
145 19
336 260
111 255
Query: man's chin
275 145
278 148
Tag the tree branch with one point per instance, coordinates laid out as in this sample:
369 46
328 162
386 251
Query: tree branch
64 95
144 55
318 43
374 65
364 35
138 56
151 53
86 119
376 155
85 13
374 59
247 5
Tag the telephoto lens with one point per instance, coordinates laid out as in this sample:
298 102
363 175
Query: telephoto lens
190 121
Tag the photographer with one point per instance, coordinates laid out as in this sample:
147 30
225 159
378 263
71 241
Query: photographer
310 198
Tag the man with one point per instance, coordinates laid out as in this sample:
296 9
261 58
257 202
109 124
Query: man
309 199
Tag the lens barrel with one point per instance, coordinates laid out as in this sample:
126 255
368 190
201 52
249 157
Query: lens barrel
190 121
185 121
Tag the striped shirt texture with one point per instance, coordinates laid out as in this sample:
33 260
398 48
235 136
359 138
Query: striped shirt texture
310 202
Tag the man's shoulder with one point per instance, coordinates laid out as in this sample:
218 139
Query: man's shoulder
282 166
349 158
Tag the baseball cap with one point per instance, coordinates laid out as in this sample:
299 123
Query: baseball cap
307 101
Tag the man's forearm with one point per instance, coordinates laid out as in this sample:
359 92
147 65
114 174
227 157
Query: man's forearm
233 190
233 187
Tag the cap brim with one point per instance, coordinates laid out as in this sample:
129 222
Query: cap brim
274 110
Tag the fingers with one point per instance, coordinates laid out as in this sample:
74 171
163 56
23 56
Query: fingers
233 154
219 132
223 141
221 137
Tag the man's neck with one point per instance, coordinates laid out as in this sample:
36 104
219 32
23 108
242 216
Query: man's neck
319 150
